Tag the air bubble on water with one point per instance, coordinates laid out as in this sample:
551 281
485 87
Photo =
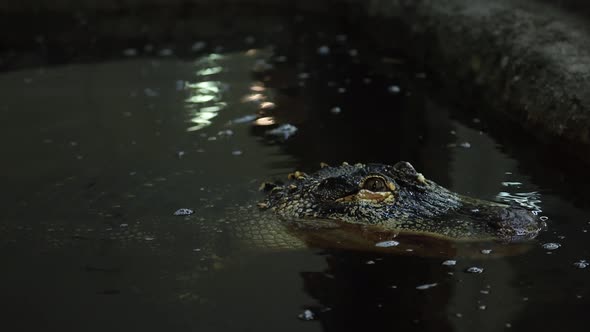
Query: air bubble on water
197 46
551 246
474 269
581 264
249 40
341 90
465 145
370 262
486 251
482 307
284 131
511 184
130 52
237 152
426 286
183 212
543 218
150 92
394 89
386 244
335 110
244 119
180 154
307 315
341 37
353 52
449 262
226 132
303 76
165 52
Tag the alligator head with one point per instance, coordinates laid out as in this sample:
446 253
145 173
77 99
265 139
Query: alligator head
397 198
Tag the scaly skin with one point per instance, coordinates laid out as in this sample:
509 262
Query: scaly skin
388 200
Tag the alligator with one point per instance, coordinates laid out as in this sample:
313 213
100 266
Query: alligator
379 202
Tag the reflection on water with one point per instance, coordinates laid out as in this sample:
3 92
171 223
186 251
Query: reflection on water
98 158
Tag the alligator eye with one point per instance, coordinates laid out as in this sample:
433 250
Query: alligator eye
375 184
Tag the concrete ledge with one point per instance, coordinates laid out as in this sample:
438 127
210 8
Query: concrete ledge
526 60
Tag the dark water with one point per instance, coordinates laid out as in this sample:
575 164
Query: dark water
97 156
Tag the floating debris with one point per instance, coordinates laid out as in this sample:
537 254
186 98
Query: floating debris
426 286
307 315
180 154
551 246
387 244
284 131
237 153
183 212
486 251
474 269
449 262
370 262
581 264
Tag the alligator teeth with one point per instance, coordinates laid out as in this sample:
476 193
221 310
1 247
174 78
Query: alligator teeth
296 175
421 178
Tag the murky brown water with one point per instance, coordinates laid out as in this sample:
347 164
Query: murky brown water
97 157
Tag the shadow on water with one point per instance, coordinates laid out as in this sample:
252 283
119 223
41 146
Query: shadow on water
100 156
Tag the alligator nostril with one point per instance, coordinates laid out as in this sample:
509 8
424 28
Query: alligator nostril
516 223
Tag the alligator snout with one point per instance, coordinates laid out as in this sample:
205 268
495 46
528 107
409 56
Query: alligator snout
515 223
